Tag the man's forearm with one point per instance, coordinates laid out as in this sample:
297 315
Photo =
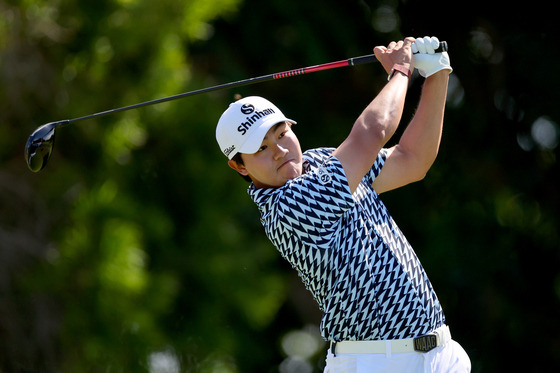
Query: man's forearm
380 119
372 130
423 135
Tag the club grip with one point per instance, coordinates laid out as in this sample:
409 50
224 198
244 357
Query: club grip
371 57
442 47
362 59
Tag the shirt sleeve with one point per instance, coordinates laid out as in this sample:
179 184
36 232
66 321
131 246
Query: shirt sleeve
377 166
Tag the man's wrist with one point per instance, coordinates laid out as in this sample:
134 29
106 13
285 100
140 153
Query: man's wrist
399 69
440 75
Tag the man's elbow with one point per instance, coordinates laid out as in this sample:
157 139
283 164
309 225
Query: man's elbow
422 168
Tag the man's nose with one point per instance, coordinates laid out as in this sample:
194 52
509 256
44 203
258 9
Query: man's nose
279 151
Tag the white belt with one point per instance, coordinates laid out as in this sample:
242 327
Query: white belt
424 343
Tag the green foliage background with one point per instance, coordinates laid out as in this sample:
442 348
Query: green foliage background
138 250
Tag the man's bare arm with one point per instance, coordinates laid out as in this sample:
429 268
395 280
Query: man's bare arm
412 157
378 122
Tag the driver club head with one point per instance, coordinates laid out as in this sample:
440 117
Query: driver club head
40 145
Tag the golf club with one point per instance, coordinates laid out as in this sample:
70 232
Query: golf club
40 143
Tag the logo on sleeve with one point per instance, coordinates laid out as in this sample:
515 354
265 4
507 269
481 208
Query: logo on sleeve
324 176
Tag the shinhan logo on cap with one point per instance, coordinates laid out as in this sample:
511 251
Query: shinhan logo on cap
248 109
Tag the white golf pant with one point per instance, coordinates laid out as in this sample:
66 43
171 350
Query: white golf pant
449 358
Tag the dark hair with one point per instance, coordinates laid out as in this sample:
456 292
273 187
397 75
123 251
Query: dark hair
237 159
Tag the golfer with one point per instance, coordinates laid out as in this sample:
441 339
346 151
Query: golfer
322 210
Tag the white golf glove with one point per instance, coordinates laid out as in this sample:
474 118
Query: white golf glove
426 60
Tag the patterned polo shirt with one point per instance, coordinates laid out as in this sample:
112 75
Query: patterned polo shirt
349 253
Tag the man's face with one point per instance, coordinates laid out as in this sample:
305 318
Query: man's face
278 160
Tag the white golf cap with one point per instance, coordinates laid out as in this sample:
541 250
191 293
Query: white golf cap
242 127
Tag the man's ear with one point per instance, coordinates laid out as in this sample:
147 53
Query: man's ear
238 167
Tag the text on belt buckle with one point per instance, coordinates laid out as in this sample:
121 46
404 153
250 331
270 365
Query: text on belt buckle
425 343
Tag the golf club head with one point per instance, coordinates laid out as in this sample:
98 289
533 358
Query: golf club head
39 146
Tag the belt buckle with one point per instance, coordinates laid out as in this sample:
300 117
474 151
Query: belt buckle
426 342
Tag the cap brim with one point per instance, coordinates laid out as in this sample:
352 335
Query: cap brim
254 141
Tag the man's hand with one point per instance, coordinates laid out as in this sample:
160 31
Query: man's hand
426 60
399 53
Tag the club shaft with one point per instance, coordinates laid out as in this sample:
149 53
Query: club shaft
285 74
239 83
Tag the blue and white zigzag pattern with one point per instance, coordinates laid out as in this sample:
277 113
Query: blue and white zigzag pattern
349 253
